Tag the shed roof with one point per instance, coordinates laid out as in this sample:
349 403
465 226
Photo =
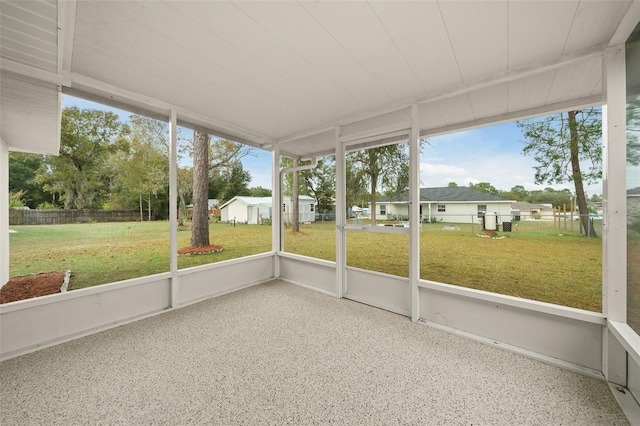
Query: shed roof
288 73
451 194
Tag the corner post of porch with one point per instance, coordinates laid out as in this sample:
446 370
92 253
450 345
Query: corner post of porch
414 211
341 209
614 257
173 207
614 262
276 209
4 212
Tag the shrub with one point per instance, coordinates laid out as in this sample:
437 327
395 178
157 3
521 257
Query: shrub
47 206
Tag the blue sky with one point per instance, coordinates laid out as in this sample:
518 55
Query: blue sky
490 154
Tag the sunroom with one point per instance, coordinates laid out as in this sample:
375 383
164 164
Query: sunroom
312 79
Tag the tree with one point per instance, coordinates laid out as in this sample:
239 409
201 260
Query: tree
87 138
185 185
320 183
15 199
633 131
259 191
484 187
518 193
200 218
452 185
551 196
384 166
22 175
142 171
211 159
562 144
237 183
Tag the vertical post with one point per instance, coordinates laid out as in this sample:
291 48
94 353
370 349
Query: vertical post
614 230
341 209
173 207
414 206
4 212
276 209
572 209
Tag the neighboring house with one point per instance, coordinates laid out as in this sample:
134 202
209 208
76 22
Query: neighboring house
457 204
530 211
254 210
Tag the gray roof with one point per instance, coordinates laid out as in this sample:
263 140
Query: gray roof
450 193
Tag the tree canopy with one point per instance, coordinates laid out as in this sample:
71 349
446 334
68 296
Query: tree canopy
567 148
79 174
384 168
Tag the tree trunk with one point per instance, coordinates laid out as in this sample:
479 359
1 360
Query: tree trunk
581 199
182 210
295 199
149 206
200 220
141 211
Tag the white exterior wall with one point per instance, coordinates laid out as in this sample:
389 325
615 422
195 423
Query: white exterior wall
236 210
394 209
456 212
304 212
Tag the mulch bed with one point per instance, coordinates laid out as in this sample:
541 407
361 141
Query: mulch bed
28 286
188 251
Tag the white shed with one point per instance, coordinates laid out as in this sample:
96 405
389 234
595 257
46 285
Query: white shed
254 210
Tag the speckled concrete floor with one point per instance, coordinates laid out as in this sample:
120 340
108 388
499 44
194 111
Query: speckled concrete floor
281 354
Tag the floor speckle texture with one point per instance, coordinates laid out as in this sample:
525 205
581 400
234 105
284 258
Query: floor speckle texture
282 354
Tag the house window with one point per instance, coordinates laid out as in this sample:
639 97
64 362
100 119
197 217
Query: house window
311 207
441 208
383 209
482 208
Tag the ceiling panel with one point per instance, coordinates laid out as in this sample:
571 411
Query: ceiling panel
274 70
530 92
576 80
538 31
419 33
593 23
29 33
430 117
286 21
227 90
30 114
456 109
240 32
490 101
357 29
478 33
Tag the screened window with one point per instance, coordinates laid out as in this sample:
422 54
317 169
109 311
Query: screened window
633 180
442 208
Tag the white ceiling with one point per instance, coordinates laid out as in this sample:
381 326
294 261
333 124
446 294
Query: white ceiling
288 72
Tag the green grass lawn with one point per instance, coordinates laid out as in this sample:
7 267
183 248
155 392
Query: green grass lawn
535 261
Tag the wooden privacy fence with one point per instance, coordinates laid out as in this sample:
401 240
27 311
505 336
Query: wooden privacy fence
52 217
